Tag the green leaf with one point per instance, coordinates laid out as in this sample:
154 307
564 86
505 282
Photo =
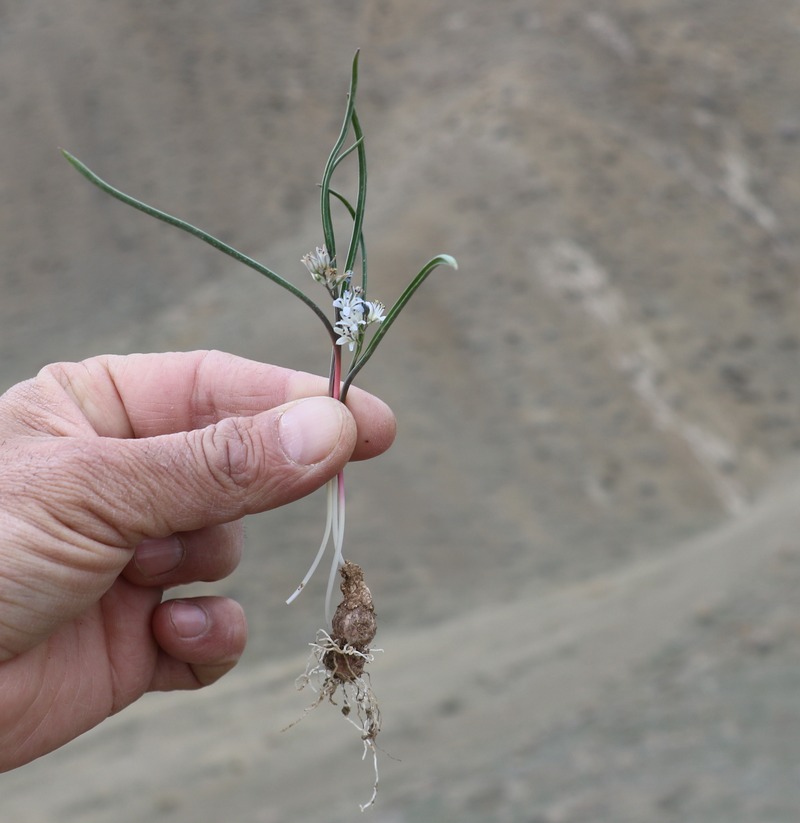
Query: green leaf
325 200
434 263
204 236
361 201
346 203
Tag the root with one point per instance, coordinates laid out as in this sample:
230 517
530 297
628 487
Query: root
337 665
354 689
332 667
370 744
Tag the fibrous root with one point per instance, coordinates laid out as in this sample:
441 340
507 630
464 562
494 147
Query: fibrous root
338 661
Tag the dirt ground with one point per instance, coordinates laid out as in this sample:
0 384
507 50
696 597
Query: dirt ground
585 546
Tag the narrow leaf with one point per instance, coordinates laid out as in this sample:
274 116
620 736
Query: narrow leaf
325 200
439 260
204 236
361 199
346 203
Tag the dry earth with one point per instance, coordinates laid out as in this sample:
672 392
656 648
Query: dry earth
585 546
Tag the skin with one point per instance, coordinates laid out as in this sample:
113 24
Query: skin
121 477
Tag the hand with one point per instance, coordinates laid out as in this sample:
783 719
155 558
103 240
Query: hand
121 477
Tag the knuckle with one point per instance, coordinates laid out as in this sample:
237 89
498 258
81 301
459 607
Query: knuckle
232 451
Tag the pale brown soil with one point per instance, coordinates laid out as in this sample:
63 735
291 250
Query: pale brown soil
584 548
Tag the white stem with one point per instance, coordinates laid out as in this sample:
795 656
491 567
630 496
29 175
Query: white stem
338 543
323 545
338 534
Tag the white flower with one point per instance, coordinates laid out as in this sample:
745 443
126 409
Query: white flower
354 315
350 303
347 334
375 311
335 279
350 323
319 265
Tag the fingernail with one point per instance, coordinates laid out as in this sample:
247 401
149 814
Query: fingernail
188 619
158 556
310 429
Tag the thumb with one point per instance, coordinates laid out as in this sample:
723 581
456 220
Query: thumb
237 466
73 507
116 492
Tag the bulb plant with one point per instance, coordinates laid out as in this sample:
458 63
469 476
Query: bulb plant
356 324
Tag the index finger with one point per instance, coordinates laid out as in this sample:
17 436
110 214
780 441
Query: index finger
144 395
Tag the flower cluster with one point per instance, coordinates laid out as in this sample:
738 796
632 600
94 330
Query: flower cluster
353 312
321 268
354 315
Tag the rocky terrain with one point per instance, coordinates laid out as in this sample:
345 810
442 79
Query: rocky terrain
584 547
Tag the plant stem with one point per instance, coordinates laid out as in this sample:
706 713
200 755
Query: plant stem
336 380
338 543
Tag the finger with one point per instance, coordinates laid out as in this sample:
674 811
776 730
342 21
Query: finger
118 492
204 555
85 503
375 421
200 638
144 395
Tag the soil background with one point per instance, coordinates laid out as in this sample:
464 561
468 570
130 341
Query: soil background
584 547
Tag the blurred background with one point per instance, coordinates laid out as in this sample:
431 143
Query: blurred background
585 545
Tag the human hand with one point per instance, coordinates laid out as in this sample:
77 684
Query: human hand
121 477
